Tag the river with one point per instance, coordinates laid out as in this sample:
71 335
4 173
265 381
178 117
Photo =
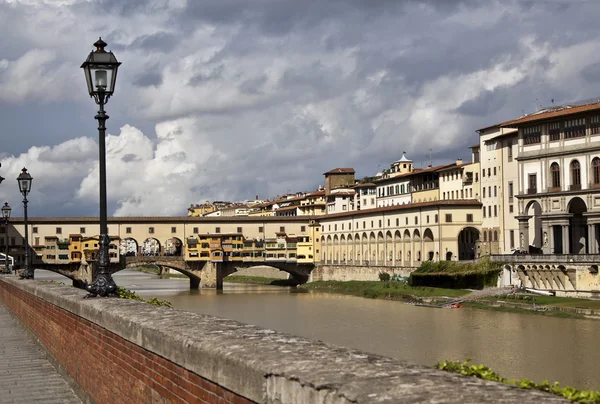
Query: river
514 345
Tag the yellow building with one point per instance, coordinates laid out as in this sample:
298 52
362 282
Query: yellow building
314 204
201 209
75 250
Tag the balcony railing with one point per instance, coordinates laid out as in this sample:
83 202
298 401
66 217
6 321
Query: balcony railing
575 187
553 189
531 191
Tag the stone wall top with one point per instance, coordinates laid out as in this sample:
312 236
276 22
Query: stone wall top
273 367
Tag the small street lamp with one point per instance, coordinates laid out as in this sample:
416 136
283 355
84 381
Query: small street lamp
100 70
6 215
24 180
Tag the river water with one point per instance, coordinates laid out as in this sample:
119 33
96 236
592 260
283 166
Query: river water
514 345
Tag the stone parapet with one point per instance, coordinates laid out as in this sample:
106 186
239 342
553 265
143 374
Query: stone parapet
344 272
120 351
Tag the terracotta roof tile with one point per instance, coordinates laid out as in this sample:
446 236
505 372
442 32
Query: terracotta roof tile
340 171
551 113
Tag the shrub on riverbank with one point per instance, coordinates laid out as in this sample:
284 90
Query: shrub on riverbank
124 293
483 372
456 275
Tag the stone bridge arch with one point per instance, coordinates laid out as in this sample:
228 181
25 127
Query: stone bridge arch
173 247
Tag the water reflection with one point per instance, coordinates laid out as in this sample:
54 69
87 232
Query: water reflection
515 345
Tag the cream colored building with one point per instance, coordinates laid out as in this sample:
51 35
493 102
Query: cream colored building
394 187
402 235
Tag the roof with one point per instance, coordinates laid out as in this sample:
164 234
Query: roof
403 159
316 193
364 185
417 171
287 208
340 171
550 113
342 191
454 167
477 146
407 206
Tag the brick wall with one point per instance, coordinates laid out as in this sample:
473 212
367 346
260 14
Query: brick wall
108 368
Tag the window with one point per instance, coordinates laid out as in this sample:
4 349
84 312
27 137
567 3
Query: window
494 170
428 219
532 184
128 230
59 230
554 131
512 238
489 172
448 218
484 192
334 227
495 235
484 211
596 170
510 191
555 173
469 217
490 211
261 229
575 175
532 135
484 236
195 230
397 222
574 128
388 222
495 190
476 177
302 229
595 125
364 224
282 229
416 220
509 147
510 209
371 224
407 221
239 230
151 230
380 223
34 229
82 230
217 230
495 210
173 229
436 218
37 241
483 172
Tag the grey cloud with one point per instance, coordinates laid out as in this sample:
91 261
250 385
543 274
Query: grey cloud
148 79
214 74
484 104
159 42
130 158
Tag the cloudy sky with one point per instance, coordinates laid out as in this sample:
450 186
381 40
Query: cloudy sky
226 99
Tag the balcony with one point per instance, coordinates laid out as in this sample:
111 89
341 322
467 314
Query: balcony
553 189
575 187
531 191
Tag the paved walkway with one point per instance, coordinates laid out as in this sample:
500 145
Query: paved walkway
26 376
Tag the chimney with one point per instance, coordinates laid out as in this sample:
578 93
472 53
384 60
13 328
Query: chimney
458 162
257 197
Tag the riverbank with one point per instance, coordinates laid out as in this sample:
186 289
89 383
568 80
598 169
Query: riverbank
259 280
400 291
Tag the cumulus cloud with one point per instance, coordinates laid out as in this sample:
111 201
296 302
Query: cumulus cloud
229 99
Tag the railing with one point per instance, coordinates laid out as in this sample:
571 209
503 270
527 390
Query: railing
546 258
531 191
575 187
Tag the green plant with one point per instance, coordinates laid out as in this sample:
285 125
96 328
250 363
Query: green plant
384 276
128 294
484 372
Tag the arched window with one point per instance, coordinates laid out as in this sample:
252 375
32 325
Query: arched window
575 173
555 172
596 170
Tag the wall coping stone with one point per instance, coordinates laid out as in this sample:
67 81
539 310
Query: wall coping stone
273 367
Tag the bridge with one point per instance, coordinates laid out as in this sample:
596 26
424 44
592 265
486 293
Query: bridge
565 274
204 274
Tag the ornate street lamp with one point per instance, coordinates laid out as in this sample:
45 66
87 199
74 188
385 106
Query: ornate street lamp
6 215
24 180
100 70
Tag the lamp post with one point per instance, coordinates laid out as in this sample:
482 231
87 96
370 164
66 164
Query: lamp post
100 70
6 215
24 180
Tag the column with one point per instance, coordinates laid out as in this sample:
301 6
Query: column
551 249
565 238
592 241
